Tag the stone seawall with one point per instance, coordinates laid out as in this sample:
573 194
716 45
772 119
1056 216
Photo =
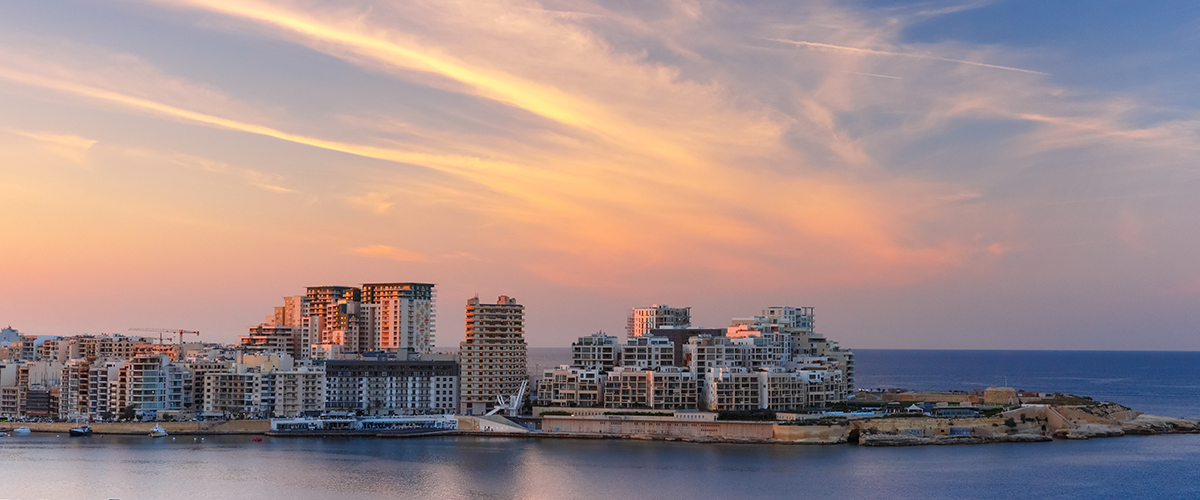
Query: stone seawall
135 428
1028 424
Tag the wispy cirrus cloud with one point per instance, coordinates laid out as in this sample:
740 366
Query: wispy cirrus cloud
873 52
748 166
71 147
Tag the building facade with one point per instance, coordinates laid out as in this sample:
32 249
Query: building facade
644 319
647 353
571 386
404 320
668 389
392 387
596 351
493 354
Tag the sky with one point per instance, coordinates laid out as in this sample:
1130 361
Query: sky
938 175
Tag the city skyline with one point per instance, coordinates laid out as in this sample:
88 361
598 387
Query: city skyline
992 175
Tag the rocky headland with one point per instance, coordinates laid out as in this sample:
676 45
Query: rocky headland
1025 424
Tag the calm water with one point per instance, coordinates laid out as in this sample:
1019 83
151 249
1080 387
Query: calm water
233 467
1159 383
128 467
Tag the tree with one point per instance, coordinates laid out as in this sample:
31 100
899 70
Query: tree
129 412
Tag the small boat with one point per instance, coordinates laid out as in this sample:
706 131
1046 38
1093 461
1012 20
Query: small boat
157 431
81 431
21 431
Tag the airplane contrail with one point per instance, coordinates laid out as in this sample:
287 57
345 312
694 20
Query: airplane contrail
890 77
857 50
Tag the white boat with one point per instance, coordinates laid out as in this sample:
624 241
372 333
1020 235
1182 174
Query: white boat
157 431
21 431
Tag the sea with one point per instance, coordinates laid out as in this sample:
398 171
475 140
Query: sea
50 466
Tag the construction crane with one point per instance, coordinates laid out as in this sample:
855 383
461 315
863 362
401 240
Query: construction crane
511 403
163 331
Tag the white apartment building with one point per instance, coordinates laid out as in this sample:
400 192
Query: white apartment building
644 319
156 387
669 388
705 353
762 351
571 386
647 353
10 388
798 324
104 377
596 351
297 392
741 389
73 390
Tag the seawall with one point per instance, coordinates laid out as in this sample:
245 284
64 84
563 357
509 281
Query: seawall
138 428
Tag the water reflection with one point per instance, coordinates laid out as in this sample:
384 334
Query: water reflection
136 467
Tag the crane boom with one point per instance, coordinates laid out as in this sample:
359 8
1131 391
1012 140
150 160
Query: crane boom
510 403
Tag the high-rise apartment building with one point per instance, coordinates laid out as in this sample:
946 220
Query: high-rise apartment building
404 319
390 317
493 354
644 319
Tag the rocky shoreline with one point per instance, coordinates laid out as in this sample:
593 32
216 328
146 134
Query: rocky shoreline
1037 423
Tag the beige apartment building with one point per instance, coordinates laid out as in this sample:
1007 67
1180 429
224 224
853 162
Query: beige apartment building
740 389
297 392
493 354
571 386
233 393
669 388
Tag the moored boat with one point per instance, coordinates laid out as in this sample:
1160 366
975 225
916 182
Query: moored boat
21 431
81 431
157 431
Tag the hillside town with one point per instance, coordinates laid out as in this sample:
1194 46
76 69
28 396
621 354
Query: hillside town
369 351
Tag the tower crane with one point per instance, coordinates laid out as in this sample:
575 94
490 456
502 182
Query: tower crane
162 331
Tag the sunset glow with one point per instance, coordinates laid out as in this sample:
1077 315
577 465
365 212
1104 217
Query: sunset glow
187 163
